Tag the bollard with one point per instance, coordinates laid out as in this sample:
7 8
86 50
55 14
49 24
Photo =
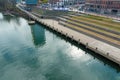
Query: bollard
79 41
66 34
96 48
86 45
72 37
107 54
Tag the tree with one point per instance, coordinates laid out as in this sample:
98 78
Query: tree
6 4
44 1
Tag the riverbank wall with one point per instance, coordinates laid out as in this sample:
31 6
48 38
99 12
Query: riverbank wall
106 50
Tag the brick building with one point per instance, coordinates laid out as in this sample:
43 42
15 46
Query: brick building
103 6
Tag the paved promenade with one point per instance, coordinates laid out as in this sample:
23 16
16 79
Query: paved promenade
102 48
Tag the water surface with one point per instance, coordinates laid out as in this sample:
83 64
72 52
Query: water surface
34 53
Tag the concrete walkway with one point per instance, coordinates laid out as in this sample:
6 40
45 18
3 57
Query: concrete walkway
110 52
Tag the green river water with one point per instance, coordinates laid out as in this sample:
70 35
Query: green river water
35 53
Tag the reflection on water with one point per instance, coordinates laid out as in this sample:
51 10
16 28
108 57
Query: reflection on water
20 59
38 34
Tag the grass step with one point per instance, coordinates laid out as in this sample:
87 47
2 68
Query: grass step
93 25
110 40
111 33
103 20
99 18
99 23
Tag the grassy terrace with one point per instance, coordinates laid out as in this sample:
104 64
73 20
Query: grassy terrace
93 34
87 25
95 29
108 20
100 21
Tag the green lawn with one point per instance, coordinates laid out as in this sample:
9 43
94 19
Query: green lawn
99 18
95 29
99 21
93 34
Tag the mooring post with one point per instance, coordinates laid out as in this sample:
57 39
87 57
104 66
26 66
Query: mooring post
86 45
79 41
72 38
96 48
107 54
66 34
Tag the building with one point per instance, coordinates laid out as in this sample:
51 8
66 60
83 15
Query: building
75 2
67 2
31 2
103 6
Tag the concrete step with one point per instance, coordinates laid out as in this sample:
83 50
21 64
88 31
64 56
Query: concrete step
95 35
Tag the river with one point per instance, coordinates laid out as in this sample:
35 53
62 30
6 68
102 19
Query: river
32 52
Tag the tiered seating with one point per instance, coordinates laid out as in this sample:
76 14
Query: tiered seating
105 23
107 31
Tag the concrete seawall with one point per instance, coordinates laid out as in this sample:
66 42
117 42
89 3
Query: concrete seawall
110 52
